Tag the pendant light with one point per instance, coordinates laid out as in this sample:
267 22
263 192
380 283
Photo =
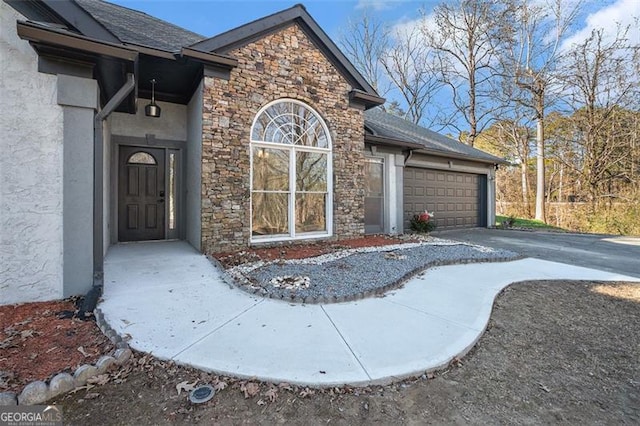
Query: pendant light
152 110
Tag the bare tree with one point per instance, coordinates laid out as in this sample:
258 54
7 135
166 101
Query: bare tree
409 67
602 89
365 42
532 61
465 36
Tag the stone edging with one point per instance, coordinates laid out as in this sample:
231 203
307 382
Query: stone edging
38 392
257 291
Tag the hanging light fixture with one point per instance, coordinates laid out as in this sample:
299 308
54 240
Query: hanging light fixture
152 110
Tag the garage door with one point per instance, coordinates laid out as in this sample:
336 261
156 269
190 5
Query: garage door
458 199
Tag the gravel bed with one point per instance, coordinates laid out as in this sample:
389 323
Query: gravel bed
358 273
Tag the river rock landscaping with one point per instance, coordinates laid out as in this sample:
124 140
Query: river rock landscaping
354 273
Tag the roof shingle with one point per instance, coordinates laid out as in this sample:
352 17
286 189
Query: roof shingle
383 124
135 27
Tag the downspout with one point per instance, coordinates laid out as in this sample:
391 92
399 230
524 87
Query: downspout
98 178
408 157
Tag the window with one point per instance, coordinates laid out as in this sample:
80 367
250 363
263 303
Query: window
141 158
173 192
291 173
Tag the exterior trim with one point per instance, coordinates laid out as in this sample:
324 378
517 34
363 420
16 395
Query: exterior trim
39 34
366 99
420 149
209 58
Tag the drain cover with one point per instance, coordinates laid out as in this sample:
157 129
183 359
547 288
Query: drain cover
201 394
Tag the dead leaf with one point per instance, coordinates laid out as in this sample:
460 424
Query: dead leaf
272 394
24 334
100 379
91 395
261 402
306 392
185 386
250 389
544 388
7 343
219 385
456 362
285 386
82 351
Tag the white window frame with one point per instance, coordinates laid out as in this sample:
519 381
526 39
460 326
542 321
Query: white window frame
292 149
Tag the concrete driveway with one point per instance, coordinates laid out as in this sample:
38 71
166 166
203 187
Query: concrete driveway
611 253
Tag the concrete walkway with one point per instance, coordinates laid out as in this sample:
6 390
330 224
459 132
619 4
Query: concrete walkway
173 303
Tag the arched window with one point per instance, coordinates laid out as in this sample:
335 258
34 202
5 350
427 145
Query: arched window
141 158
290 173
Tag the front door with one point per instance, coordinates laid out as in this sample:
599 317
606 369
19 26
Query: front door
374 196
141 175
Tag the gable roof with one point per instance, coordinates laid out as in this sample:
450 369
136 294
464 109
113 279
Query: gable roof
259 28
135 27
384 127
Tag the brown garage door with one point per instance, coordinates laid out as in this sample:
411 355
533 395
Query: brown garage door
458 199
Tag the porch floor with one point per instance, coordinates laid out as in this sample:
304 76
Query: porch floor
174 303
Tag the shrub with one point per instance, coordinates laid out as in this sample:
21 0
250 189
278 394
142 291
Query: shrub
423 223
509 222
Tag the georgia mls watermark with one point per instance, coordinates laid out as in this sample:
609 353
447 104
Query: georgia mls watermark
31 415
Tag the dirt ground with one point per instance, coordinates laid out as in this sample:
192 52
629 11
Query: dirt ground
554 352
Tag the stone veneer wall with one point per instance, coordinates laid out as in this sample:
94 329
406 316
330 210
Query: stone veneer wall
284 64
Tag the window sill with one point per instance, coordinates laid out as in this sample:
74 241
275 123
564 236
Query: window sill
282 238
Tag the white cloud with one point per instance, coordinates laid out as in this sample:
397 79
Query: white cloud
622 12
376 4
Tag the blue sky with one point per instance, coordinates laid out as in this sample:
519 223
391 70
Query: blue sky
211 17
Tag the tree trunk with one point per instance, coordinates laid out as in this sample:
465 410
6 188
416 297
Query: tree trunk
560 209
540 213
525 187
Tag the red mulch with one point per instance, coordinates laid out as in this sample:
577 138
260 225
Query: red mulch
36 344
300 251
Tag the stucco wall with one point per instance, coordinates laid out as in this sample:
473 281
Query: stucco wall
31 132
285 64
194 168
171 125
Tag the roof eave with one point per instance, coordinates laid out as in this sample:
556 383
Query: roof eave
366 99
39 34
458 156
215 59
113 62
421 149
382 140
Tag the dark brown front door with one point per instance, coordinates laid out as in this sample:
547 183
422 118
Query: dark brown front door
140 194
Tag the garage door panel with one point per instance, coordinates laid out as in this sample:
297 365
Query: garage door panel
457 199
